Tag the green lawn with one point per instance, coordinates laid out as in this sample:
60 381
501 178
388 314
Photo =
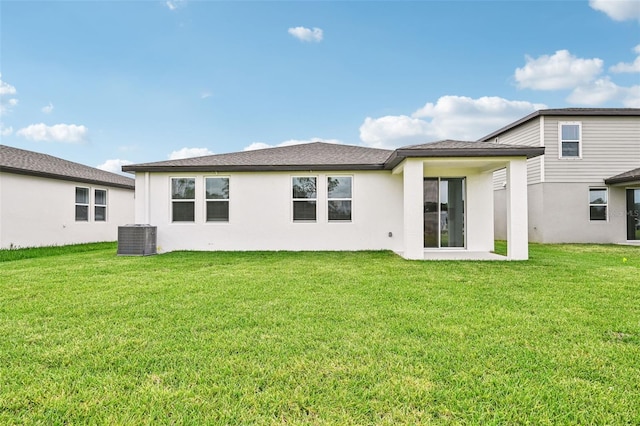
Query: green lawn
319 338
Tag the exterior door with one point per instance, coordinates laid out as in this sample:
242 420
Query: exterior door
444 212
633 214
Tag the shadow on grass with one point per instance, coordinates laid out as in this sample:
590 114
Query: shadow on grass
8 255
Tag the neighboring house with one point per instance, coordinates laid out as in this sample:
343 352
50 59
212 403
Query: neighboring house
46 201
423 201
586 187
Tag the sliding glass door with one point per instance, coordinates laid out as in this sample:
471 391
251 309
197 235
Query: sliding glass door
633 214
444 212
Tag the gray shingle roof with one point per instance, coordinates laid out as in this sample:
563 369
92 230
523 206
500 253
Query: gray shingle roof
325 156
630 176
20 161
559 112
312 156
452 148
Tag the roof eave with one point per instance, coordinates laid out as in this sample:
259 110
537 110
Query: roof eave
596 112
401 154
252 168
626 179
66 178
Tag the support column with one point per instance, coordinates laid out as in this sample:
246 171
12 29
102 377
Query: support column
142 198
517 218
413 210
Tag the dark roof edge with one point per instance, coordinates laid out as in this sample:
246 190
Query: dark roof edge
252 168
65 178
595 112
614 180
400 154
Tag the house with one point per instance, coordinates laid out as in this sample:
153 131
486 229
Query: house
46 201
432 201
586 186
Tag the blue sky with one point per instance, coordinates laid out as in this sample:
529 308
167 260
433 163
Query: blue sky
106 83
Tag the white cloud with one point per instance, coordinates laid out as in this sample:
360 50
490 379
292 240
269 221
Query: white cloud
7 102
599 92
6 88
307 34
206 94
70 133
618 10
632 97
5 131
189 152
392 131
604 90
262 145
625 67
561 70
175 4
114 166
47 109
451 117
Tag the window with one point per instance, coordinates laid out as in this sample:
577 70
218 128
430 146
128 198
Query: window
570 137
304 198
100 205
597 203
183 203
339 198
82 204
217 196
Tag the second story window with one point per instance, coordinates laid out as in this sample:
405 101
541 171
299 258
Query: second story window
570 140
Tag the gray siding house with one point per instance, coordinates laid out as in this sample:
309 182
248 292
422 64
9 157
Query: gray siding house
586 186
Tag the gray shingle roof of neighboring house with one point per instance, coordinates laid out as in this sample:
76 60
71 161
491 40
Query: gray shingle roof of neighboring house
20 161
560 112
326 156
630 176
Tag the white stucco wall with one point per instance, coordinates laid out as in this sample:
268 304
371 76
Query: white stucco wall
37 211
260 214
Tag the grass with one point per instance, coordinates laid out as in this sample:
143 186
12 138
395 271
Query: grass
319 338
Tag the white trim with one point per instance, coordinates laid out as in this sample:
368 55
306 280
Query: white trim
189 200
542 157
147 198
87 204
327 177
560 140
105 205
218 200
293 200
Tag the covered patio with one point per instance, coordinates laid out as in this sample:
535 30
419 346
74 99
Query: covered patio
448 199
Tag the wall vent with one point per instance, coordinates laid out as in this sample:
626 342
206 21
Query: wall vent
137 240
